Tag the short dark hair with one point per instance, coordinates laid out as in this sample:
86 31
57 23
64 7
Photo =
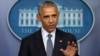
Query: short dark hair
46 4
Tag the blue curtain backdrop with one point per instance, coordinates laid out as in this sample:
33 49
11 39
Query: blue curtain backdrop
9 45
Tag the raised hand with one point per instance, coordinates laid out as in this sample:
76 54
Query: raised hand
70 50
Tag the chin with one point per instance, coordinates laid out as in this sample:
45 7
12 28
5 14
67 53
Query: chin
51 30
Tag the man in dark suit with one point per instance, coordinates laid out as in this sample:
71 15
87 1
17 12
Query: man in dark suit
59 44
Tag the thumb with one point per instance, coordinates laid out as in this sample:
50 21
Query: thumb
62 50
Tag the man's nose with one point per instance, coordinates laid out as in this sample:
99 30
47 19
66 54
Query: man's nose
50 19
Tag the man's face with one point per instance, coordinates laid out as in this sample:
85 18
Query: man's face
49 18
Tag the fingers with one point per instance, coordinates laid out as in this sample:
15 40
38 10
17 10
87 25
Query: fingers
62 50
73 44
70 45
70 50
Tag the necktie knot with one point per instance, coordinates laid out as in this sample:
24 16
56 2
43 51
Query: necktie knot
49 35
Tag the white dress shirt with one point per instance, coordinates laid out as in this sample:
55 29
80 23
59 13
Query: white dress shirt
45 37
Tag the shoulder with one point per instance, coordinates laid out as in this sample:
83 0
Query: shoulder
32 36
66 35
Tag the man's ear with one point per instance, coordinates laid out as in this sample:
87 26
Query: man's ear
38 16
58 14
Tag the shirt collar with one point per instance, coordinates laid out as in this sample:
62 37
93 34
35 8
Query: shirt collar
45 33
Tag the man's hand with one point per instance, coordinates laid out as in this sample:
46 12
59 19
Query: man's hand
70 50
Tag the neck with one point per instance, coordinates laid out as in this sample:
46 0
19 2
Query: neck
48 31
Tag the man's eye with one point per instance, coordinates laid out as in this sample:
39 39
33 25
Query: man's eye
54 15
46 16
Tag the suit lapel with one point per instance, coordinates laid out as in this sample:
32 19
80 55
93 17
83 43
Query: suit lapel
58 42
57 46
39 43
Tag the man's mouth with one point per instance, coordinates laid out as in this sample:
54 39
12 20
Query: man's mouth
51 26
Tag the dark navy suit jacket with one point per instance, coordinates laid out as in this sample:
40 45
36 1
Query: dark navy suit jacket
32 45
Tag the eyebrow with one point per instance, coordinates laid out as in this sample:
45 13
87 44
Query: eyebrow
46 16
54 15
